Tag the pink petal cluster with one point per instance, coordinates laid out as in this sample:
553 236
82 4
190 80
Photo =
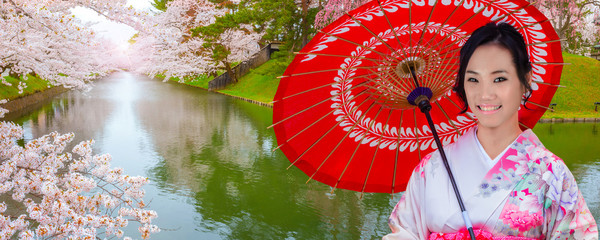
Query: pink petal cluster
58 194
521 220
166 45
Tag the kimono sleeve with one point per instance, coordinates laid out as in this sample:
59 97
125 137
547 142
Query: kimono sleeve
567 215
407 220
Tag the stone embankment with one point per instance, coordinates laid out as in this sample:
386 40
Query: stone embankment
26 102
567 120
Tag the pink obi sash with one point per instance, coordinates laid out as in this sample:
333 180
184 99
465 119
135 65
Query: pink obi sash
479 235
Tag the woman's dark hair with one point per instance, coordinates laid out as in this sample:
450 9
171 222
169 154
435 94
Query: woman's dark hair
503 34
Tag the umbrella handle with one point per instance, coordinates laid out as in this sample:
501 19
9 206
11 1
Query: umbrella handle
425 107
420 96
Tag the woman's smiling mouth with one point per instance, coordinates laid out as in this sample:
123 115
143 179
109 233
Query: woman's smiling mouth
489 108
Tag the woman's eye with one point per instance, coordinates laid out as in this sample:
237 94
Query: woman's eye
471 80
500 79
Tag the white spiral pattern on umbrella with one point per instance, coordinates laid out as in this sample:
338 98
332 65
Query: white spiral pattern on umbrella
373 133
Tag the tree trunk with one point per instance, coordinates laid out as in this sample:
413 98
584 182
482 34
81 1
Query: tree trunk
230 71
305 24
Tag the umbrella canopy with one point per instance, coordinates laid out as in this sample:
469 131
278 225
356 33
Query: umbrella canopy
341 113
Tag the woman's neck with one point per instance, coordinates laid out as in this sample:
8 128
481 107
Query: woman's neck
495 140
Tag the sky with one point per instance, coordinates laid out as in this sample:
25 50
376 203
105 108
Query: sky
117 32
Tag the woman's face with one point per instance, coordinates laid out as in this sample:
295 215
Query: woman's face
492 87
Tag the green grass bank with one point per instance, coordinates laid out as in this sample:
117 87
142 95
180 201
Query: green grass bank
34 84
580 78
581 81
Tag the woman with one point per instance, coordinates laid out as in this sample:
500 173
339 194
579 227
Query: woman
512 187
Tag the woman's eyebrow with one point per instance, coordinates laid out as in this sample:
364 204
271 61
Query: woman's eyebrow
494 72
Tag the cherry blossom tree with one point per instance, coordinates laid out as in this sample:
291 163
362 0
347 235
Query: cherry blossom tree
171 48
334 9
573 21
168 47
47 192
57 194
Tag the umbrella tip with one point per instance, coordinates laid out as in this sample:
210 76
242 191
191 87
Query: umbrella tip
280 77
288 168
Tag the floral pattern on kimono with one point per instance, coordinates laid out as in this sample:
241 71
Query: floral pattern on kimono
528 193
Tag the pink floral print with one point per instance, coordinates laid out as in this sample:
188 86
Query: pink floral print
521 220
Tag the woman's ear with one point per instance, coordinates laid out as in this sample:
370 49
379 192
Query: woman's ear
528 77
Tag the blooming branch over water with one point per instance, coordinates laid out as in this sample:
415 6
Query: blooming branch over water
46 192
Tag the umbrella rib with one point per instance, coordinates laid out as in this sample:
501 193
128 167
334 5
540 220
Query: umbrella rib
550 63
351 42
453 103
427 23
340 142
391 27
343 56
374 35
549 84
410 27
325 70
550 41
447 117
417 133
463 23
452 44
525 126
513 11
322 86
317 141
446 65
394 31
374 155
318 120
390 77
316 104
444 23
401 84
350 160
436 78
397 151
531 24
539 105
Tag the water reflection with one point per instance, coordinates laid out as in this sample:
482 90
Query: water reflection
213 172
577 145
209 157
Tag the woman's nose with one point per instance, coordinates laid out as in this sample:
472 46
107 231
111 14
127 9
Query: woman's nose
487 91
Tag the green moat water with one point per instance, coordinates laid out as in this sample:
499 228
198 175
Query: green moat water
213 172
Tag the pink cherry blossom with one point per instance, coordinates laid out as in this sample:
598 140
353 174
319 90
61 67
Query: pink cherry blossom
522 220
63 201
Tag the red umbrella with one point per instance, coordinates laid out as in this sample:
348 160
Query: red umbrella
342 113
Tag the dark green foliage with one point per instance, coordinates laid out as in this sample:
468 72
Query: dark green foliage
284 21
281 20
160 5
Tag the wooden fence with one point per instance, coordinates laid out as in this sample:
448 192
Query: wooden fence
244 67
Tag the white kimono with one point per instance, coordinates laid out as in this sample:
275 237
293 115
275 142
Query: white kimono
526 191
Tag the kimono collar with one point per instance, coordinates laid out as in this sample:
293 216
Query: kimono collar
515 161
